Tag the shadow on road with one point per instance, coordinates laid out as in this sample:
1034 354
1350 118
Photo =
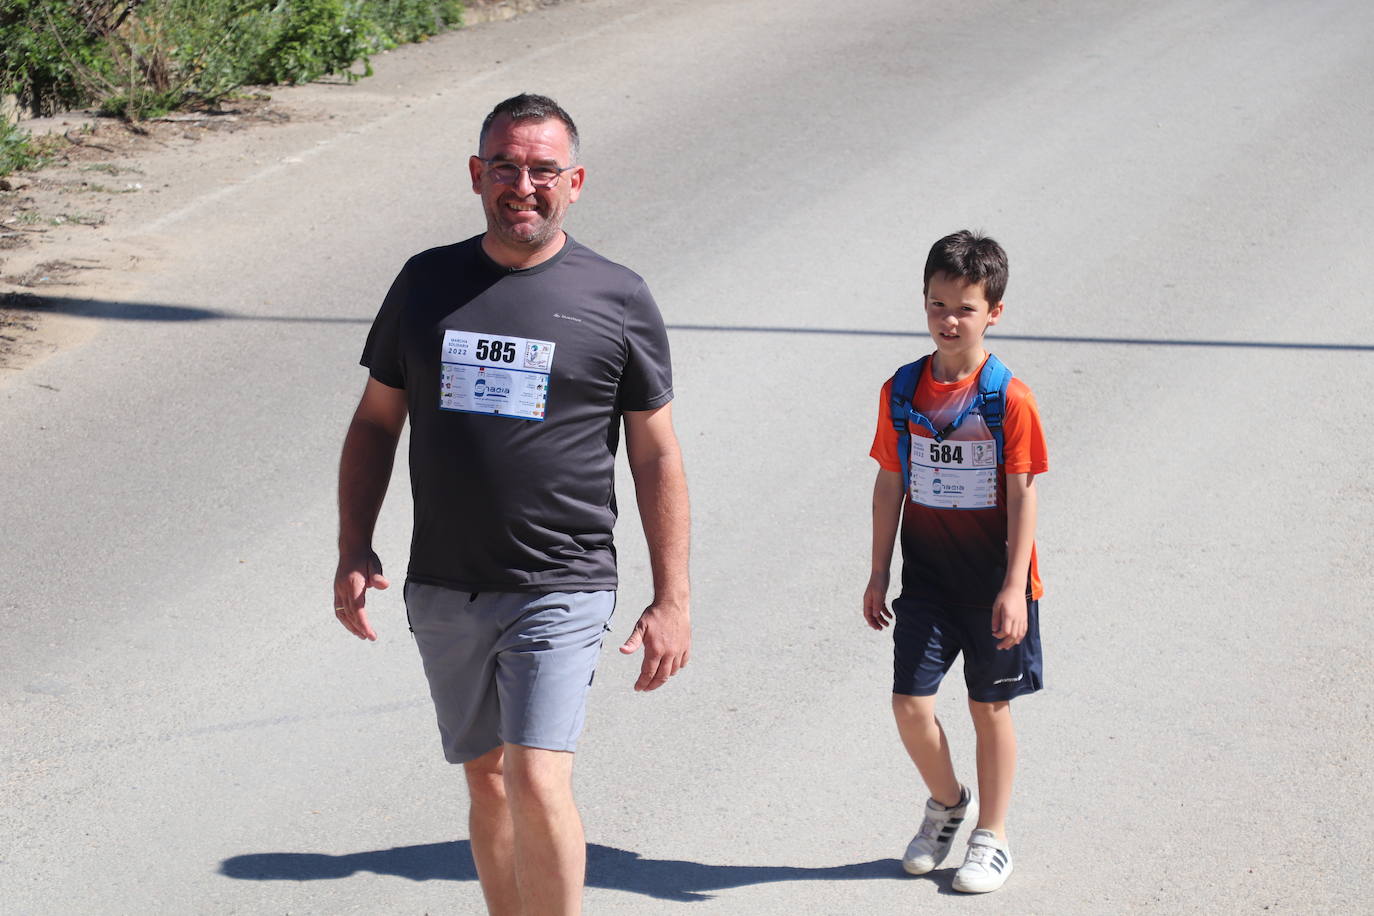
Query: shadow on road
1031 338
152 311
607 867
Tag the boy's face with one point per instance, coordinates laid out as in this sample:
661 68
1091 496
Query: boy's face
958 313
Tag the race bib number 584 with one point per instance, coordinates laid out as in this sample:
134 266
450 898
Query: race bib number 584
954 475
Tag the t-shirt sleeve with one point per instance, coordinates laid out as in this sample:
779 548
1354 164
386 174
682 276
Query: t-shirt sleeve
1023 437
884 449
382 352
647 381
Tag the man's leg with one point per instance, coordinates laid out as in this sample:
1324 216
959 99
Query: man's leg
492 833
925 741
996 763
550 851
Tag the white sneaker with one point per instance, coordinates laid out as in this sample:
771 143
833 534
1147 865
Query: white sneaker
987 866
932 842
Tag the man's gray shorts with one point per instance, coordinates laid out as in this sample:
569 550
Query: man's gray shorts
507 667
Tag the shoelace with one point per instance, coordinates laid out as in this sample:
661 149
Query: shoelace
980 855
929 829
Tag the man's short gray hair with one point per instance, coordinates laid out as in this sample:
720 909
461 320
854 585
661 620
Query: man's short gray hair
528 107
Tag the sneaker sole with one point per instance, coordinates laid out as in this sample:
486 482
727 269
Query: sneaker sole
912 868
965 888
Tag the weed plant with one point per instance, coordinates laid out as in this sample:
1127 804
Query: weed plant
17 150
142 58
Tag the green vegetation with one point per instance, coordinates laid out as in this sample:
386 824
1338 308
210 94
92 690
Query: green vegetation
15 151
20 151
143 58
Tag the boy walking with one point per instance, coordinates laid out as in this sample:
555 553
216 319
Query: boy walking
958 445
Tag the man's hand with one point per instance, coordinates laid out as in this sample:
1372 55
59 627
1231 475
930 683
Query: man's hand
665 627
364 470
1009 617
665 632
355 575
875 600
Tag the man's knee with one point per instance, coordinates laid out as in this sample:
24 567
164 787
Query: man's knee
486 777
537 776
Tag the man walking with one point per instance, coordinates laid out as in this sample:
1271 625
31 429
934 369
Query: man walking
515 355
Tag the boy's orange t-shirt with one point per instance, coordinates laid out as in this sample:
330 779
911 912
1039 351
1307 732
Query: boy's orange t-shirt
960 555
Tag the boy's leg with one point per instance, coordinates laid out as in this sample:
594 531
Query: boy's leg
921 654
492 833
950 803
994 677
996 763
925 741
988 862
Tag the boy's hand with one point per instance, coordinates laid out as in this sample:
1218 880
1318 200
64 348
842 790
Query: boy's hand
875 601
1009 617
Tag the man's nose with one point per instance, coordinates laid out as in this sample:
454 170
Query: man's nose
524 183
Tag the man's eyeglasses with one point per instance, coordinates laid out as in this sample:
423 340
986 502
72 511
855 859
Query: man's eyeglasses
541 176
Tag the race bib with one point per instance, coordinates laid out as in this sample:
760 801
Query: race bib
488 373
954 475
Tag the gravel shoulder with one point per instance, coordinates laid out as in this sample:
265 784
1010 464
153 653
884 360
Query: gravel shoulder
83 229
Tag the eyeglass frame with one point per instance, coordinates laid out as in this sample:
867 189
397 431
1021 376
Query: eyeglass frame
526 169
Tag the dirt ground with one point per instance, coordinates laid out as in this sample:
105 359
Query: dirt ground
71 228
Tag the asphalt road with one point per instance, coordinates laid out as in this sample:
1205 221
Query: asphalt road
1184 190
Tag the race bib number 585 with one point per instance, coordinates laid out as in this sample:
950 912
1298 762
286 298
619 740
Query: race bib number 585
494 374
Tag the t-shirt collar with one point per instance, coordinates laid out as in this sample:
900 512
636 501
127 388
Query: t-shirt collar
505 271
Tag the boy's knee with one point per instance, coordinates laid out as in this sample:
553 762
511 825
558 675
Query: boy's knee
913 709
997 711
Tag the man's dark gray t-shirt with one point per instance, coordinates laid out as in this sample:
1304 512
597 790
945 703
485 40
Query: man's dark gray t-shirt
515 381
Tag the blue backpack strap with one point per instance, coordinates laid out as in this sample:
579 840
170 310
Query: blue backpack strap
992 395
904 383
991 403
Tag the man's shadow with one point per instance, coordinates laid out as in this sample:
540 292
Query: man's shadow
607 867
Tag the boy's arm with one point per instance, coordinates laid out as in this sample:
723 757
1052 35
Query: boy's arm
888 495
1009 610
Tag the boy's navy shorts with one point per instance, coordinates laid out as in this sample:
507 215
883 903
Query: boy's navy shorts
928 635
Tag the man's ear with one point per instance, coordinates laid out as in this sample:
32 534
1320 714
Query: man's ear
575 179
475 170
995 312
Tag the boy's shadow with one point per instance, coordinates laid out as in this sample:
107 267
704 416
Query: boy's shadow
607 867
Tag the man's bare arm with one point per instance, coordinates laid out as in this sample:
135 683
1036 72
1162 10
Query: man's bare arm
664 629
369 451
